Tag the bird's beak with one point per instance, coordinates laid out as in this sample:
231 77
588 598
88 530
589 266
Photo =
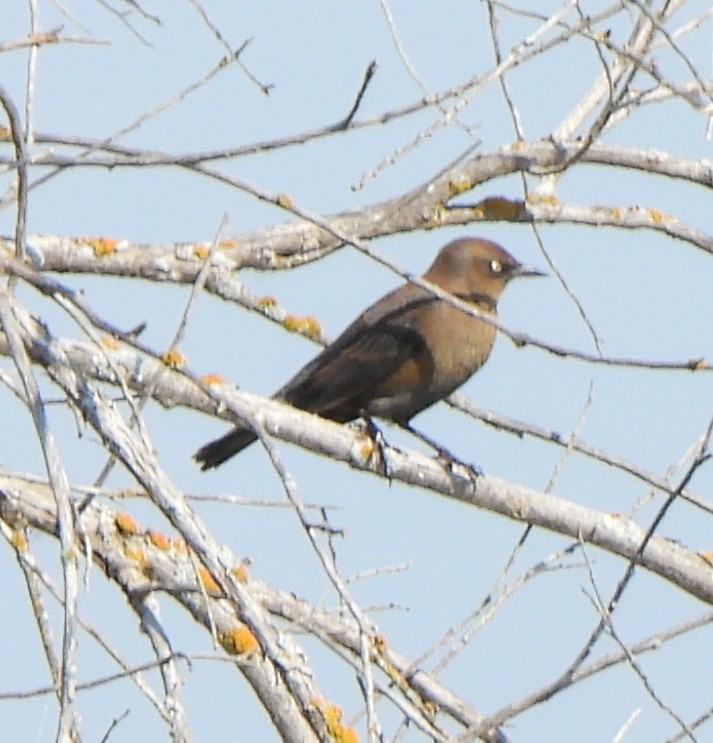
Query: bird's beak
525 270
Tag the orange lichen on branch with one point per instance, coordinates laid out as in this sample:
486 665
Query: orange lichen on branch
240 572
542 198
238 641
500 209
18 540
311 327
101 245
173 358
159 540
126 524
179 544
291 322
459 185
308 326
137 555
201 251
266 303
207 580
109 342
338 731
211 379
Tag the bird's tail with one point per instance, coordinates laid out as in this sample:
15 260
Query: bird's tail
216 452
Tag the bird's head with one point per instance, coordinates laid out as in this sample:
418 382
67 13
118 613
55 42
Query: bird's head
471 266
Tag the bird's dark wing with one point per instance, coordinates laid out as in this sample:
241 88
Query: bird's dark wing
379 352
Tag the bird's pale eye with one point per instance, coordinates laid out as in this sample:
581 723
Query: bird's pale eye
496 266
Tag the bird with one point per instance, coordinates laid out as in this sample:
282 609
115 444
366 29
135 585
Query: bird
407 351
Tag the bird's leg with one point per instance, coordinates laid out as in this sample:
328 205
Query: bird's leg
442 452
449 459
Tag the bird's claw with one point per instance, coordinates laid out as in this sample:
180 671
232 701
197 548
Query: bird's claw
457 468
379 447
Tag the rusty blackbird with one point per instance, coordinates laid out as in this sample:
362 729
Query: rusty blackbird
407 351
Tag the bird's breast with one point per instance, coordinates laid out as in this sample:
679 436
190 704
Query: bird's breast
459 344
451 346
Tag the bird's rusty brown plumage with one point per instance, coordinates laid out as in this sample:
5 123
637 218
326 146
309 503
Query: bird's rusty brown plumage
407 351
